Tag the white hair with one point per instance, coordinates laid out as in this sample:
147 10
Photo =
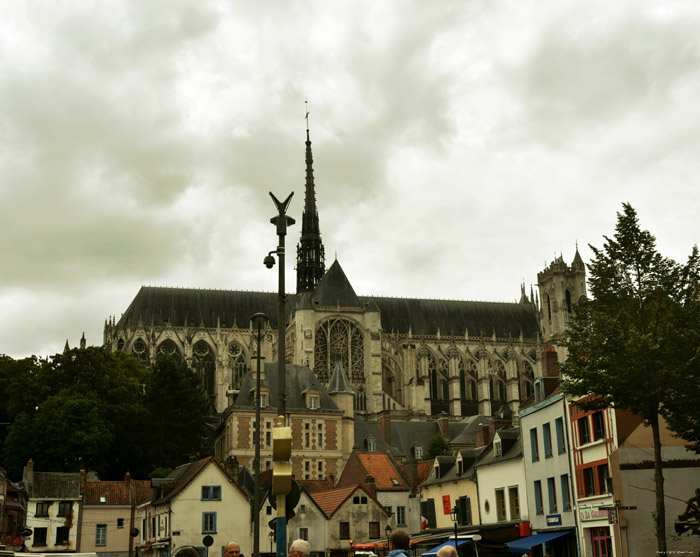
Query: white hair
301 545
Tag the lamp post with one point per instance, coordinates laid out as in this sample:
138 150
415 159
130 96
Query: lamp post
271 535
454 515
387 530
259 321
281 442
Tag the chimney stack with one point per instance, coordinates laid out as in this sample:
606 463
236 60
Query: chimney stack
371 485
442 424
385 426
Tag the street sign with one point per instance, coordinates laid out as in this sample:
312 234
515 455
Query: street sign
26 532
612 515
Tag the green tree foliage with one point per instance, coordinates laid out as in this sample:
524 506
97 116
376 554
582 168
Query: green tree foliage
636 342
99 410
178 410
439 446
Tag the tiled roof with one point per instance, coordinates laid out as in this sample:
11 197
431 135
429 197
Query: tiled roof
382 468
56 485
142 490
314 486
424 469
329 501
114 493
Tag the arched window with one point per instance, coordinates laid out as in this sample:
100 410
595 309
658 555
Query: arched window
140 350
568 301
549 309
204 365
472 389
360 401
391 378
169 348
239 366
339 340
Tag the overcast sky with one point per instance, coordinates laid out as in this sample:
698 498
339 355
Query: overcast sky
458 146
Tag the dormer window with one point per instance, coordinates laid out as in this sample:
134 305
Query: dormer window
312 402
371 444
419 453
497 447
460 467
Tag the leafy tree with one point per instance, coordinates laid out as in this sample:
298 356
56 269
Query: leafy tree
439 446
178 411
634 343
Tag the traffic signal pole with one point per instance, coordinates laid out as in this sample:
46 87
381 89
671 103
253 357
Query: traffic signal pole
281 433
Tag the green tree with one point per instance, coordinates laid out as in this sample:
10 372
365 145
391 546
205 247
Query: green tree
439 446
178 412
631 343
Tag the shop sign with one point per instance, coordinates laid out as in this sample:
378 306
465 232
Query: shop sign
592 513
553 520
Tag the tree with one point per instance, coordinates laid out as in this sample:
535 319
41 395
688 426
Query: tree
439 446
634 342
178 411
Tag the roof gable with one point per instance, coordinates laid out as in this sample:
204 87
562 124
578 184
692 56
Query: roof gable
334 289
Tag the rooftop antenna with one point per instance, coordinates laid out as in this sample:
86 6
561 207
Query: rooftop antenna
307 115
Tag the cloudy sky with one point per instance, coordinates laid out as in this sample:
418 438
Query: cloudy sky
458 146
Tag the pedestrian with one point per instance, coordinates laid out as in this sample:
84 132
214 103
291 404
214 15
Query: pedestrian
232 550
447 551
399 544
299 548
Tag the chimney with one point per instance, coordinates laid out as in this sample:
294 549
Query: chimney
30 473
231 465
331 480
385 426
442 424
483 436
127 480
371 485
551 369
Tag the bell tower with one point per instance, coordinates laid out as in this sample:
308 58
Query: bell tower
561 287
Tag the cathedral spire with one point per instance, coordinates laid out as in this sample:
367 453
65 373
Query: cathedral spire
310 251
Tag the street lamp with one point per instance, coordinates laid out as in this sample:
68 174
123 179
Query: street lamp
454 515
259 321
271 535
387 530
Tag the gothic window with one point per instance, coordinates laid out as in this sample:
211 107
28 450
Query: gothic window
140 350
360 401
120 344
391 378
433 374
527 380
169 348
472 390
549 309
204 365
462 381
568 301
239 366
339 340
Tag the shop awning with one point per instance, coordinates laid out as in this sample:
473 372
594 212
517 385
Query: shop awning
434 551
525 544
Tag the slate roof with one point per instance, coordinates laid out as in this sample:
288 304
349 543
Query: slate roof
55 485
510 448
449 471
298 379
339 382
313 486
192 306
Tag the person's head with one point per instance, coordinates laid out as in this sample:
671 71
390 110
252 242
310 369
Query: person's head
400 540
299 548
187 551
447 551
232 550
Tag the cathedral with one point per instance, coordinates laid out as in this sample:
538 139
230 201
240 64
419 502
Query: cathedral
416 358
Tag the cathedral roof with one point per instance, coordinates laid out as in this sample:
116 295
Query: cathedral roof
339 381
335 289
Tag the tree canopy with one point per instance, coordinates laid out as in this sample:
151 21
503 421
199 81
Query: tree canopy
635 344
439 446
99 410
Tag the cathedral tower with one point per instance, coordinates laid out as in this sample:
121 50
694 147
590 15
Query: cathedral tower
310 252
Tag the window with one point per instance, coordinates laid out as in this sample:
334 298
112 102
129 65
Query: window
538 497
500 505
344 530
39 536
42 508
401 516
64 508
552 491
419 453
561 446
211 493
583 432
565 498
208 523
374 530
263 400
371 445
62 534
514 499
363 500
547 439
101 535
588 482
313 402
533 445
120 523
497 448
320 441
601 542
464 507
598 426
307 436
602 472
304 534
